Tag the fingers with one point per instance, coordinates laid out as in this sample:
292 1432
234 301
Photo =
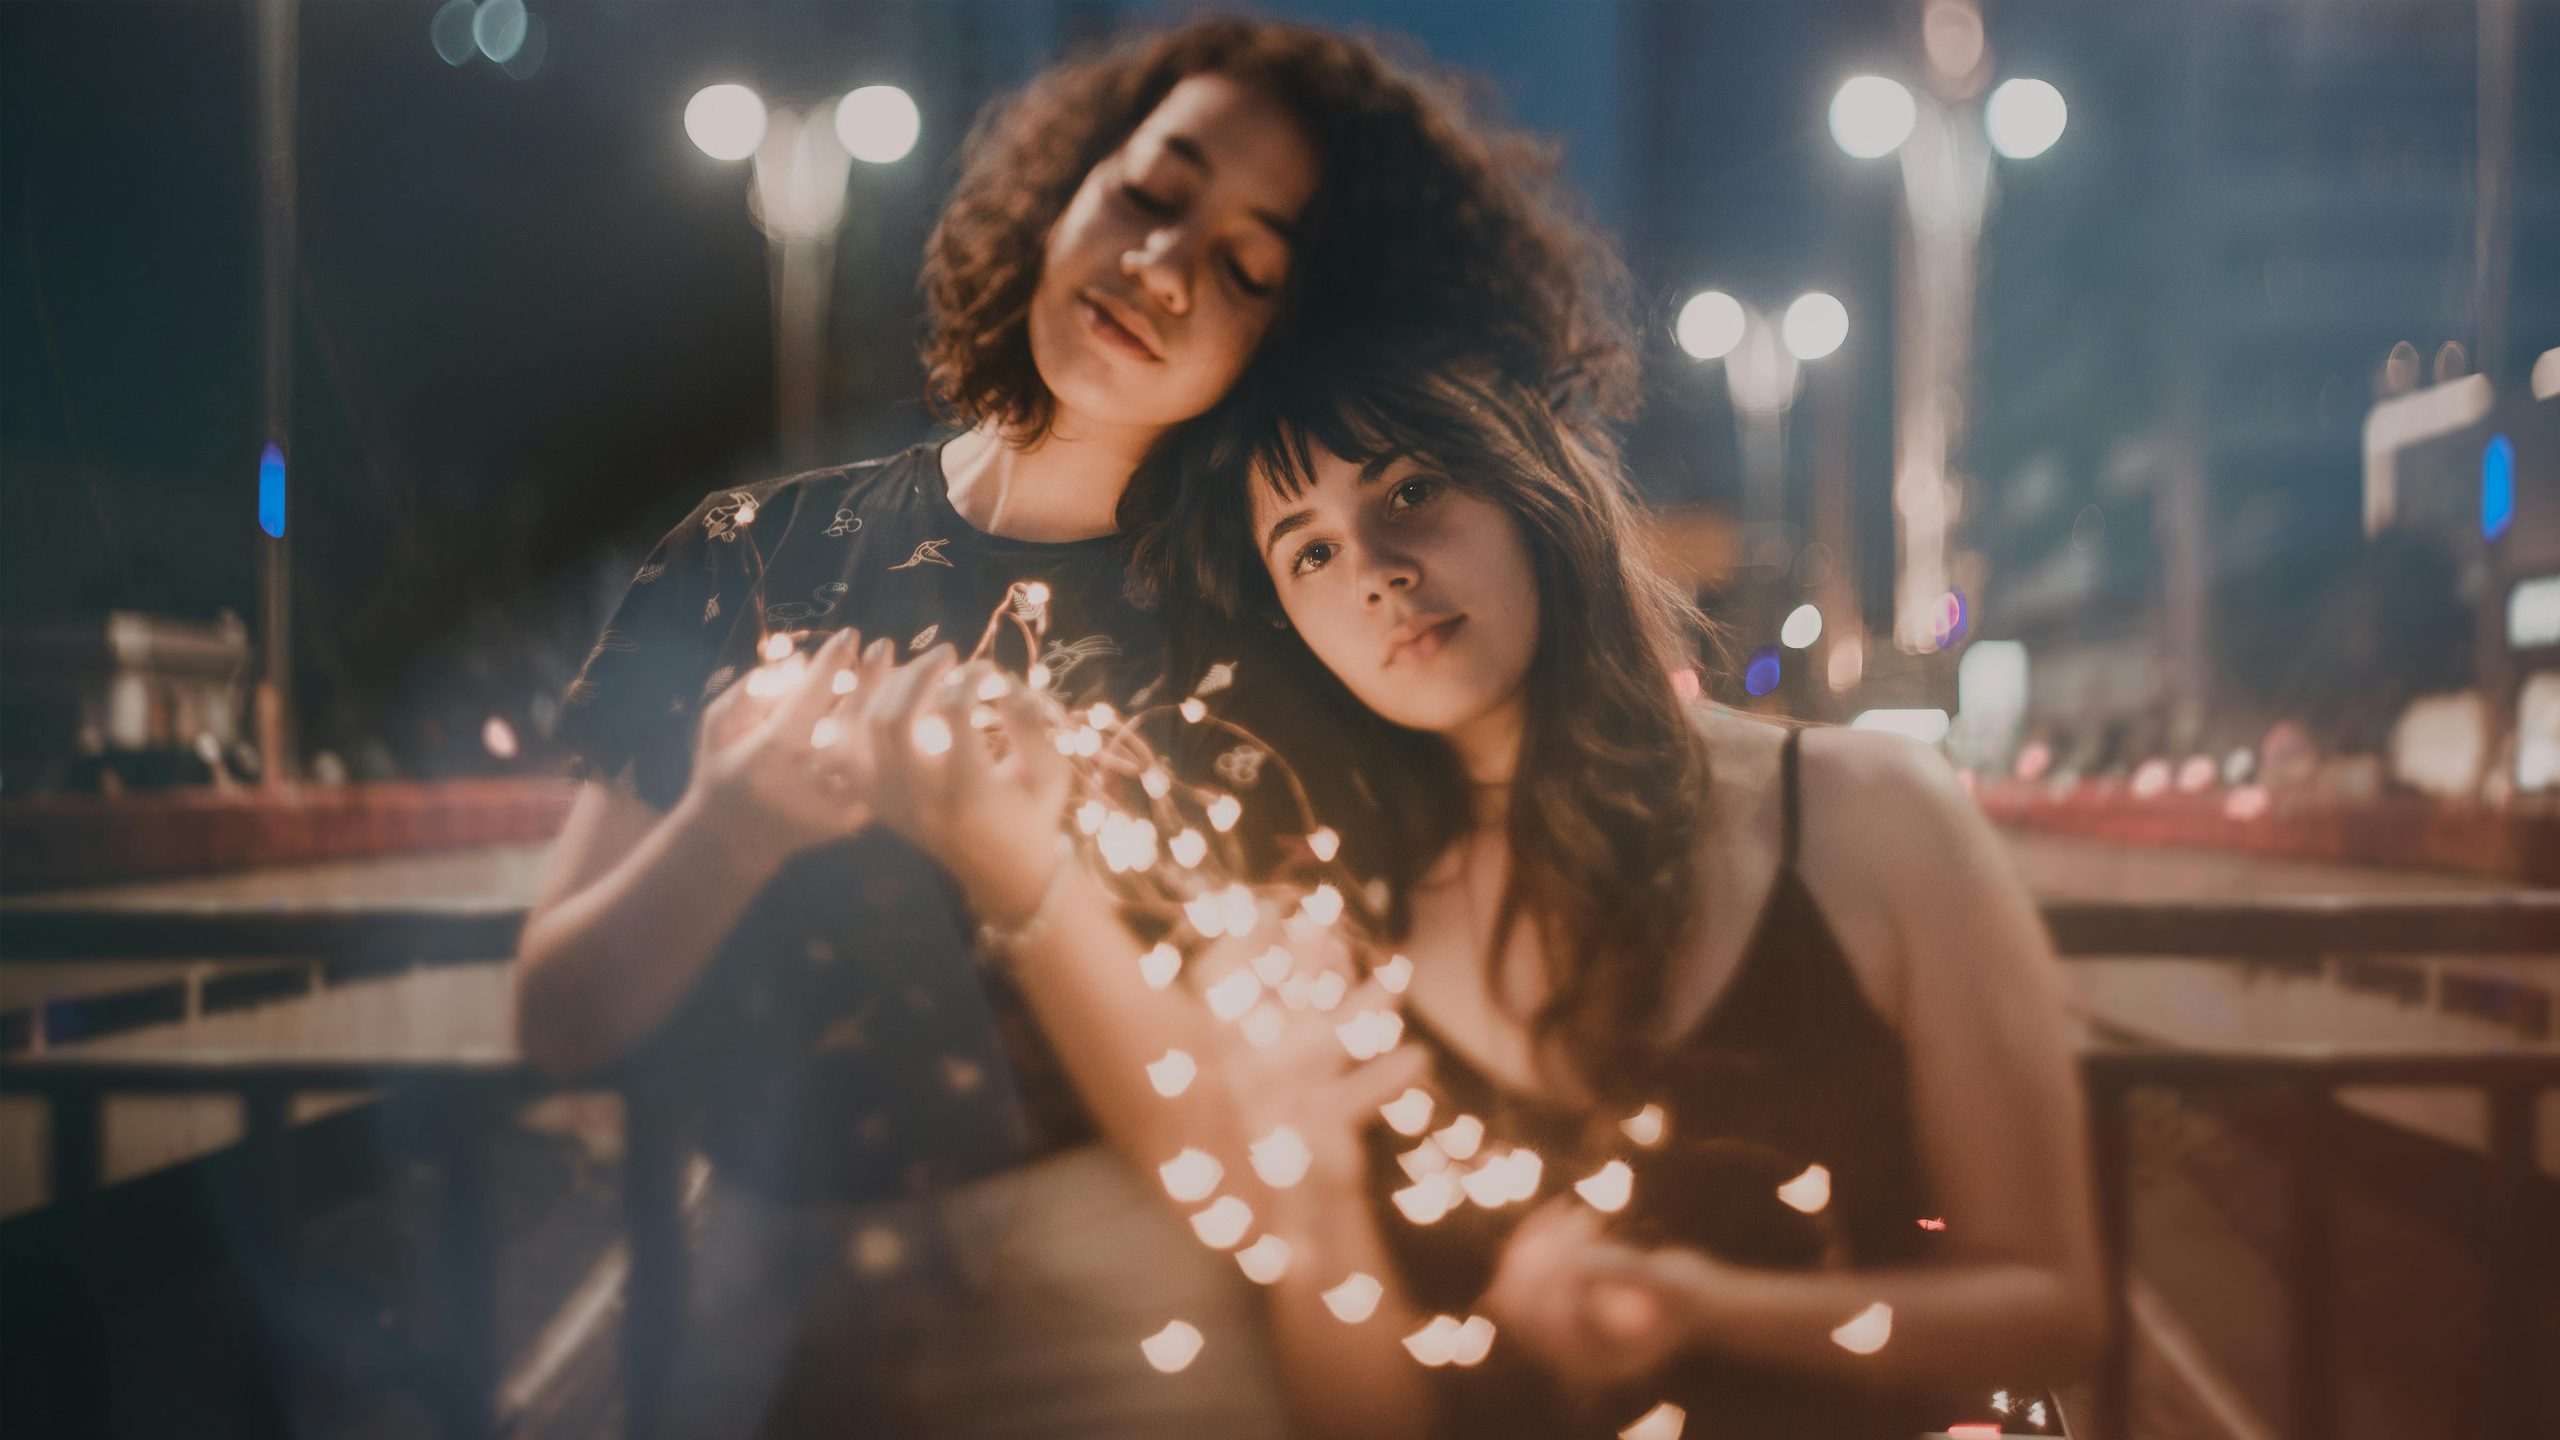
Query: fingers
799 713
1360 1092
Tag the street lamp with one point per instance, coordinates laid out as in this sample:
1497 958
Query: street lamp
1946 191
797 197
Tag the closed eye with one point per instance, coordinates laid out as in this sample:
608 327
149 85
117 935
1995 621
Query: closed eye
1151 204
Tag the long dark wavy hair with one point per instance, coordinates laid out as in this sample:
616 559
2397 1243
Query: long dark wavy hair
1608 801
1430 217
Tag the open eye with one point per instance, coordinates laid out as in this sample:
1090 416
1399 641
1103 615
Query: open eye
1311 557
1413 492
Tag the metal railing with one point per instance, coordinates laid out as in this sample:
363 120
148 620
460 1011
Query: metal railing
360 940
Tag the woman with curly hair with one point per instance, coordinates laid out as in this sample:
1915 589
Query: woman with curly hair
893 1129
1736 1090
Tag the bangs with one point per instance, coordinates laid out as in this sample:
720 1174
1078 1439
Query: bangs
1372 421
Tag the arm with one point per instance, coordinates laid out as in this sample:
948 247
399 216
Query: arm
636 902
994 826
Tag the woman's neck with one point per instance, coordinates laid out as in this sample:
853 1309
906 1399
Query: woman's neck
1488 751
1064 486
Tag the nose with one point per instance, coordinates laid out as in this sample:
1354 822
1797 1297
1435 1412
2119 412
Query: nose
1162 267
1386 570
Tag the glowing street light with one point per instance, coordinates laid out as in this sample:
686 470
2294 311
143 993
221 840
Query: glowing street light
1710 325
878 124
726 122
1816 325
1871 116
2024 118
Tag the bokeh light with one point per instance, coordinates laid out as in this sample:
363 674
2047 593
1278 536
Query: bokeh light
726 122
2497 487
1949 620
1926 726
1871 116
499 29
1816 325
1761 675
271 490
1710 325
450 32
1803 627
2025 118
878 124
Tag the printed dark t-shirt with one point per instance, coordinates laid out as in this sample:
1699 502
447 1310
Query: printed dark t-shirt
843 1043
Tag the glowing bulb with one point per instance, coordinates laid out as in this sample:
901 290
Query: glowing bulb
1435 1344
1194 711
844 683
726 122
991 688
1866 1332
1808 1192
825 733
1037 677
1281 1158
1265 1261
1206 915
747 512
1034 592
1871 117
2024 118
1173 1074
1172 1349
775 647
1815 325
879 124
499 738
1103 716
1393 976
1191 1175
1472 1343
1370 1034
1461 1137
1803 627
1324 843
1231 997
1355 1299
1264 1027
1710 325
1224 812
1662 1422
1159 966
1427 1199
1326 991
1324 905
1158 784
1223 1224
1274 965
1423 1161
1189 849
1645 1127
1609 1188
933 735
1408 1113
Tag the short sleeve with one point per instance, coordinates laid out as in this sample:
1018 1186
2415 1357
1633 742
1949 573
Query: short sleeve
630 714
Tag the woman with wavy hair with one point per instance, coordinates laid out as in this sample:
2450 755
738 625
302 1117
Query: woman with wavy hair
1736 1098
893 1128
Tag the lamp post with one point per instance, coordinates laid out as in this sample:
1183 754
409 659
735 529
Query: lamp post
1945 144
1765 372
796 195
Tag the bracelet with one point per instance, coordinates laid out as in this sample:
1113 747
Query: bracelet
995 939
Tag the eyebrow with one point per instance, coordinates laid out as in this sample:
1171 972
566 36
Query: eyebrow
1189 149
1300 519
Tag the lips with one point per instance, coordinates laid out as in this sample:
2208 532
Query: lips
1421 639
1118 326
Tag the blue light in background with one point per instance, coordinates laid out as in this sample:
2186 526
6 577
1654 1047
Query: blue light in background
1761 675
2497 487
271 490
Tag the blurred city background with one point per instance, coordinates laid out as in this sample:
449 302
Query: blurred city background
2156 404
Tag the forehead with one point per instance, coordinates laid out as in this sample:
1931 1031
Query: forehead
1248 138
1335 480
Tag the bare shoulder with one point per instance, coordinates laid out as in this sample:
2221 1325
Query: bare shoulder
1880 777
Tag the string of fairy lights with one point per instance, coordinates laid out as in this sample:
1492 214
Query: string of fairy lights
1164 845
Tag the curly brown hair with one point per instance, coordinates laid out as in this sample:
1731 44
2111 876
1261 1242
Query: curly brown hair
1429 220
1609 800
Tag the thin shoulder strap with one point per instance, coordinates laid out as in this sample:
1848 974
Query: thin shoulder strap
1790 797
